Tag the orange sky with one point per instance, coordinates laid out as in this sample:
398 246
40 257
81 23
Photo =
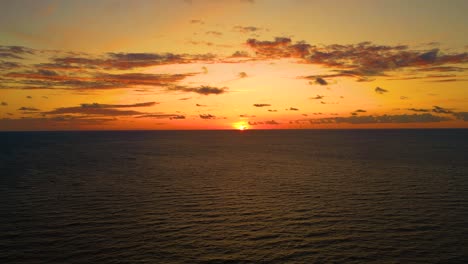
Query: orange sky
70 65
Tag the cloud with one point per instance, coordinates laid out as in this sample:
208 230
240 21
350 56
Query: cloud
240 54
268 122
207 116
380 90
318 97
14 52
214 33
3 103
185 98
441 110
29 97
52 123
271 122
96 105
200 105
261 105
248 29
272 110
358 60
419 110
85 110
403 97
321 81
461 115
8 65
197 21
162 116
242 75
203 90
415 118
45 79
358 111
293 109
29 109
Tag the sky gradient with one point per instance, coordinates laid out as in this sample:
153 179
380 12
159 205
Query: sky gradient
258 64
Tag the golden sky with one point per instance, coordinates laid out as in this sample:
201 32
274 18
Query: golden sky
234 64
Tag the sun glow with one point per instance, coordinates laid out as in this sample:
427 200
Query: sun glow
241 126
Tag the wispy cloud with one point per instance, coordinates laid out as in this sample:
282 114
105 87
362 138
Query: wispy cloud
261 105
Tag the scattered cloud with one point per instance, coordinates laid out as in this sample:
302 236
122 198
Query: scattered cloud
318 97
96 105
380 90
321 81
419 110
214 33
247 29
203 90
197 21
242 75
207 116
162 116
28 109
415 118
441 110
461 115
84 110
261 105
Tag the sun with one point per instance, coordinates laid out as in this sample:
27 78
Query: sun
241 126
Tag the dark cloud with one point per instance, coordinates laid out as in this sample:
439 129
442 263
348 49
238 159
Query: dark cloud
359 60
92 111
380 90
240 54
272 110
28 109
358 111
419 110
207 116
203 90
441 110
293 109
200 105
461 115
242 75
415 118
52 123
96 105
321 81
318 97
271 122
162 116
403 97
45 79
246 116
261 105
8 65
185 98
14 52
29 97
4 103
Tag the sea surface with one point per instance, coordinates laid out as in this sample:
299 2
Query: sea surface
298 196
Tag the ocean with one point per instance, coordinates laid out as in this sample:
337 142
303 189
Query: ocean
257 196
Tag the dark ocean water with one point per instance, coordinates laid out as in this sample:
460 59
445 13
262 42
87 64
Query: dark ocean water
367 196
